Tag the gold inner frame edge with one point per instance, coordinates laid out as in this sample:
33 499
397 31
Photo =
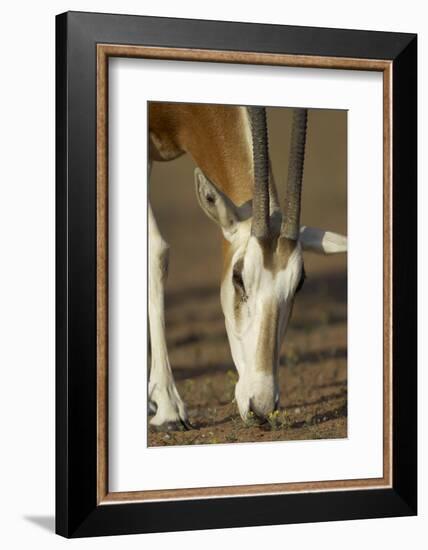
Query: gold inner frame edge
104 51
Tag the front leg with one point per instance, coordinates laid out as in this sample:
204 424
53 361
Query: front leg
170 410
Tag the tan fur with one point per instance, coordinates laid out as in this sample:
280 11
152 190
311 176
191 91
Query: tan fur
215 136
267 344
276 252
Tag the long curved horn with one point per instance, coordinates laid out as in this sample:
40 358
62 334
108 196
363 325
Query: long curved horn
293 191
260 223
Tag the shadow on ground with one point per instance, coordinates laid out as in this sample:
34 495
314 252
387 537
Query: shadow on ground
45 522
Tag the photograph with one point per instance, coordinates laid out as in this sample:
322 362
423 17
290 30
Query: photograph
212 275
247 273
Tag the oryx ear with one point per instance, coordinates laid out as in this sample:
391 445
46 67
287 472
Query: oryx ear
216 204
322 242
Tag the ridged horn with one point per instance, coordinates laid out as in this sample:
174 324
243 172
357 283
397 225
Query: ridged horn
290 227
260 223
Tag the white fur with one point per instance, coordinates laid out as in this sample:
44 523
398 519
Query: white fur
322 242
257 383
162 389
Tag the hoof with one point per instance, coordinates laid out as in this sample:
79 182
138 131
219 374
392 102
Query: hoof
174 426
152 407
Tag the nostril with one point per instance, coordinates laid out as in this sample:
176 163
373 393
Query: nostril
260 417
261 407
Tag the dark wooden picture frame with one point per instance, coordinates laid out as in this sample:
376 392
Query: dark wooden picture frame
84 43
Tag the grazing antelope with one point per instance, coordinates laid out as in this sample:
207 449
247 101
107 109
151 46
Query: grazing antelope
262 245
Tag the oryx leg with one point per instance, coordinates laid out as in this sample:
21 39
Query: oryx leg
170 409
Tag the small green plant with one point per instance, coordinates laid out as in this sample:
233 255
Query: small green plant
274 420
278 420
251 420
285 420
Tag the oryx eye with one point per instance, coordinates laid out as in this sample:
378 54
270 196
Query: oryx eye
302 280
237 279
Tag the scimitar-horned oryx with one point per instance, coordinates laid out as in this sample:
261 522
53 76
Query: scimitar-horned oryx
262 245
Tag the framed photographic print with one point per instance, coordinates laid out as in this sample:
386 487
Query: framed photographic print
236 274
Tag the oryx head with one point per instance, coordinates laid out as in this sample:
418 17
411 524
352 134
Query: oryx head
263 264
